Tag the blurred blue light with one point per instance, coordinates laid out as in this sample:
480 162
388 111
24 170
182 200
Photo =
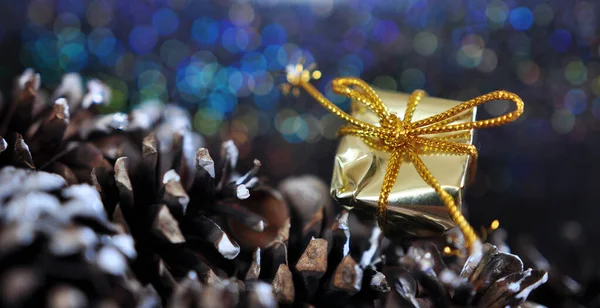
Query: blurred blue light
252 62
165 21
222 101
76 7
236 81
350 65
172 52
300 130
274 34
69 27
141 65
351 61
233 38
367 58
189 80
151 78
416 4
268 101
354 39
561 40
101 42
385 31
218 77
521 18
576 101
45 49
184 84
142 39
32 32
242 39
204 56
72 57
208 74
262 82
195 76
205 31
221 79
111 58
45 53
276 57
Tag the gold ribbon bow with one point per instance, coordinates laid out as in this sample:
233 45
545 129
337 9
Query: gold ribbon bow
404 138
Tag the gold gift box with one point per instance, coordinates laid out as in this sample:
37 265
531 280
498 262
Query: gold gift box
414 208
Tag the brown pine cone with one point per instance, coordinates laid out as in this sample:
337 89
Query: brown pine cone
176 203
57 248
62 133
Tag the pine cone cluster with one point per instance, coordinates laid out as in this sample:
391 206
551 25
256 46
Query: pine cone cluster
187 230
58 248
64 133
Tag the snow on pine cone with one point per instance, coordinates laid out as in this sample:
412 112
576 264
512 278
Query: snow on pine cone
174 203
57 248
64 132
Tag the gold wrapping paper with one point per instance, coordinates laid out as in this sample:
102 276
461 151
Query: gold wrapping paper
414 208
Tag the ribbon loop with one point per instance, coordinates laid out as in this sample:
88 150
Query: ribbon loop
428 125
360 91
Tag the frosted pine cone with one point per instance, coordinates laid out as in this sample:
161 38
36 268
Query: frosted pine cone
62 133
58 249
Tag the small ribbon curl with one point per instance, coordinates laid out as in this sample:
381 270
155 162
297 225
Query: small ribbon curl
404 139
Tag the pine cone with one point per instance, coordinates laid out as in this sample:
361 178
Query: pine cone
59 133
187 215
350 263
57 248
489 279
574 276
168 202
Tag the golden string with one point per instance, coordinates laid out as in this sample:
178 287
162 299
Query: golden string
404 138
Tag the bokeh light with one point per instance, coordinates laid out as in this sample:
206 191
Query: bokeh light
101 42
165 21
576 72
222 58
425 43
205 31
521 18
563 121
560 40
142 39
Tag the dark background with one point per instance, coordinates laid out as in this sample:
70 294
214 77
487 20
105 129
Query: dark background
222 60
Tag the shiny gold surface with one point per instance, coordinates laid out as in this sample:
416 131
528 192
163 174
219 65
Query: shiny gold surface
414 207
